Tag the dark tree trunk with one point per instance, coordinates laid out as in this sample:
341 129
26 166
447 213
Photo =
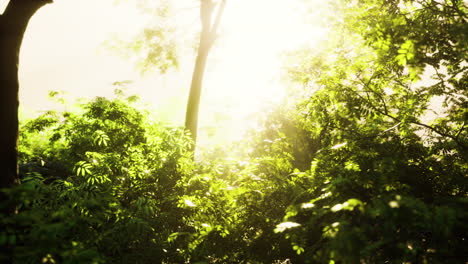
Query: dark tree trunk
207 38
13 24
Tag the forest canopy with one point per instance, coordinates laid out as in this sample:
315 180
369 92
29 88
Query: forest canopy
365 161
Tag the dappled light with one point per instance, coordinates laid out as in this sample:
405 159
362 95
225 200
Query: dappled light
233 131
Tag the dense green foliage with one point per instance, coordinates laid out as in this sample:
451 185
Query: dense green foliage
355 172
99 181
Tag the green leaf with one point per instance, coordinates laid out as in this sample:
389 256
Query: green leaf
285 225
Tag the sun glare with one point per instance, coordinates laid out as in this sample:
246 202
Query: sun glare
244 69
247 58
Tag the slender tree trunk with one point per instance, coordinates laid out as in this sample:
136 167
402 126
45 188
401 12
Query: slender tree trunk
207 38
193 104
13 24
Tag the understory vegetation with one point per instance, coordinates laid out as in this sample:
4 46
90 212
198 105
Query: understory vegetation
355 170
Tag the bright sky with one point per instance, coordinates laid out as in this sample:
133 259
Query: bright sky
63 50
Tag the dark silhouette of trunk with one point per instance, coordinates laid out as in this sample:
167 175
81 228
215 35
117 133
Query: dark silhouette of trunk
13 24
207 38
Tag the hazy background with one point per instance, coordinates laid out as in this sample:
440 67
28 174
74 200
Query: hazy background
63 50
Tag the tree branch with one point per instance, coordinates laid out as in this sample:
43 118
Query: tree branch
217 20
18 13
433 129
24 7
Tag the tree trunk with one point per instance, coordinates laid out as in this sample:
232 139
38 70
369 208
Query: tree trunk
193 104
207 38
13 24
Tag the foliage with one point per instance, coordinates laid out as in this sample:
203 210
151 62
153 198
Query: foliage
98 186
385 180
355 172
154 47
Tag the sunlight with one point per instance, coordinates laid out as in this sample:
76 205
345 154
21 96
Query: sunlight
248 73
347 167
3 5
243 74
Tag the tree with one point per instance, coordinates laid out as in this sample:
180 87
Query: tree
157 46
13 24
207 38
387 183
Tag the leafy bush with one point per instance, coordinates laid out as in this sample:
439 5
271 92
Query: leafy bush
98 186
